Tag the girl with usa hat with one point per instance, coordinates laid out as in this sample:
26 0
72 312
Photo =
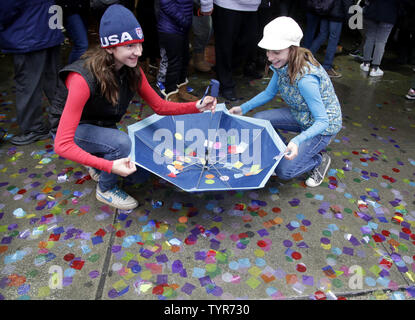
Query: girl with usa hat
313 108
93 96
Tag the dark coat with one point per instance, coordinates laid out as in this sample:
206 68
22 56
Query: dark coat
340 11
175 16
24 26
71 7
382 11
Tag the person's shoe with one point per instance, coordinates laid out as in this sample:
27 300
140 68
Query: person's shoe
411 94
356 54
365 67
251 72
376 72
173 96
333 74
229 95
28 138
184 95
116 198
318 173
94 173
3 134
199 62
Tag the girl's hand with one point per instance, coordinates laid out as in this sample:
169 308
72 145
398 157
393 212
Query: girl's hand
236 110
208 104
292 151
123 167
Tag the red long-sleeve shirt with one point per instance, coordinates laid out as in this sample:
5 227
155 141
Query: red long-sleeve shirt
78 95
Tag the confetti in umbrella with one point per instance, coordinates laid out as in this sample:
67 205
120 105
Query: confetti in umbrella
207 151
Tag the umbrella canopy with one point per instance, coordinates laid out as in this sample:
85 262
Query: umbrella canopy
207 152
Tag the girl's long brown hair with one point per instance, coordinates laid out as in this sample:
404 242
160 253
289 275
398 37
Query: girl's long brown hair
297 61
102 66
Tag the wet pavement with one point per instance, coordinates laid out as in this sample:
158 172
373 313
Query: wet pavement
351 238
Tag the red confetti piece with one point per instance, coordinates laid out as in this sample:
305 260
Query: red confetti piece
69 257
296 255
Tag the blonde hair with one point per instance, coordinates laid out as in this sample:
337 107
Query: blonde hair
102 65
298 60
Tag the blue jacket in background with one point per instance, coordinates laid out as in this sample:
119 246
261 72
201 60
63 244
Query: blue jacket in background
24 26
175 16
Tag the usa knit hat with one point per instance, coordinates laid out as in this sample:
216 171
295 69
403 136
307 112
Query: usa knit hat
119 27
281 33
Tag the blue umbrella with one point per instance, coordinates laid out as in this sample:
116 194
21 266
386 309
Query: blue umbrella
207 152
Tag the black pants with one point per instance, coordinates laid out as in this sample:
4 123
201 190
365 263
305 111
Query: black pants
177 51
235 35
35 72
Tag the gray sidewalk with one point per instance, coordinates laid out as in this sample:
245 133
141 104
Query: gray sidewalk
285 241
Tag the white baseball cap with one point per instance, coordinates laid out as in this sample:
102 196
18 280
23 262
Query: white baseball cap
281 33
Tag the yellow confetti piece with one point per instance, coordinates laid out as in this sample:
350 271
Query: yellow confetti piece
119 285
209 181
259 253
238 164
168 153
357 124
178 136
43 292
146 275
253 282
255 271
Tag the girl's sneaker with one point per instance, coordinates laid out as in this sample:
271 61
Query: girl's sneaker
117 198
94 173
376 72
318 173
411 94
364 67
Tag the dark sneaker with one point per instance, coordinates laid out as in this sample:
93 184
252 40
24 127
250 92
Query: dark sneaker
229 95
318 173
117 198
29 138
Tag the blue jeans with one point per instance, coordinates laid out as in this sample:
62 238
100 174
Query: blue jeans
309 155
77 32
110 144
332 30
313 21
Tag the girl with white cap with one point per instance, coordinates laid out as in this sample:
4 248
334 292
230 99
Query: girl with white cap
94 95
313 107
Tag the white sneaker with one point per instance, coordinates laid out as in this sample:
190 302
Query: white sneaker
364 67
116 198
94 173
376 72
318 173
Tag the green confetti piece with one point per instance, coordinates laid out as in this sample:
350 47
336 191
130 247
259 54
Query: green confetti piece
253 282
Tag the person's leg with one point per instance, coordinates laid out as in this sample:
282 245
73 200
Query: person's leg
29 68
321 37
226 25
78 33
249 30
382 35
370 37
281 119
309 157
182 84
173 45
335 29
50 74
107 143
312 25
202 31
